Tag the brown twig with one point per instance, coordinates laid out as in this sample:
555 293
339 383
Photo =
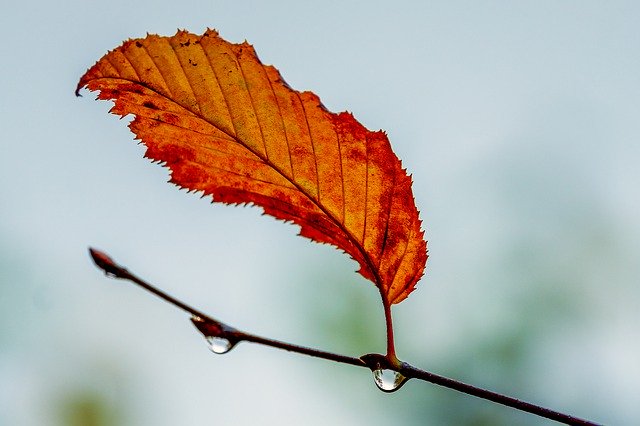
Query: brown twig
209 326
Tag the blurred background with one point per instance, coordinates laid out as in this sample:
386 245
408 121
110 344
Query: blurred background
519 123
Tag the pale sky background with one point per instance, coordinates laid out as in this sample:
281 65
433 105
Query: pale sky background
519 122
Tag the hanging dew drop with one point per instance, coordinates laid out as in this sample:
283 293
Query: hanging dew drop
213 332
388 380
219 345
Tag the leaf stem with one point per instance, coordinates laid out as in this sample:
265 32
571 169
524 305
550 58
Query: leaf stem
112 269
391 349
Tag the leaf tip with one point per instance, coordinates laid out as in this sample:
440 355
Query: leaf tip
81 84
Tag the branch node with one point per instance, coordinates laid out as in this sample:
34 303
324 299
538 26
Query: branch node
386 374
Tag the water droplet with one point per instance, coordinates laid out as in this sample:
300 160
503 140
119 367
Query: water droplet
219 345
388 380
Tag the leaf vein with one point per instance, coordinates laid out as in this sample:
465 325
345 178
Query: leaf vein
344 198
404 253
366 187
164 79
184 72
255 111
284 128
243 176
386 222
215 74
313 148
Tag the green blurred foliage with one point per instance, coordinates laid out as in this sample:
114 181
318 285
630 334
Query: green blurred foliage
87 408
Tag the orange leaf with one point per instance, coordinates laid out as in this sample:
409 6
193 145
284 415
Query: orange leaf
231 127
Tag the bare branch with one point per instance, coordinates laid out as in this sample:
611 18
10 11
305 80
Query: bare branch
211 327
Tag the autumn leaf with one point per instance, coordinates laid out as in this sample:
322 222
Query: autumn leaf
231 127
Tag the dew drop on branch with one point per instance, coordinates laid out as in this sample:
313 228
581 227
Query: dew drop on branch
388 380
219 345
214 334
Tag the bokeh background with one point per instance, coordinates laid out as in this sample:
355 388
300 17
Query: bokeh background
519 122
